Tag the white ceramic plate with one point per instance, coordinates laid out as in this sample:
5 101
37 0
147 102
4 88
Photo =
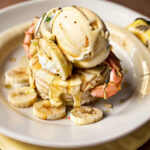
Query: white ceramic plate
122 119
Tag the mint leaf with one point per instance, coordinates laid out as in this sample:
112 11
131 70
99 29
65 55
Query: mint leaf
48 19
44 15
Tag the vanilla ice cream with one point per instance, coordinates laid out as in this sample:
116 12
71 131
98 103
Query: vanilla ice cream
82 36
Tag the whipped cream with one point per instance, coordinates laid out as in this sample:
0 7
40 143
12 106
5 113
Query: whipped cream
48 64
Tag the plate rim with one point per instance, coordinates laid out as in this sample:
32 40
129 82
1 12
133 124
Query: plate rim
13 6
25 139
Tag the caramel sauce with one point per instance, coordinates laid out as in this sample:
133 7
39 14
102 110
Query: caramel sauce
59 87
12 59
8 86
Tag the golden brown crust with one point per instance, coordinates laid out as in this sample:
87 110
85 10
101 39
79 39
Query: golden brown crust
43 79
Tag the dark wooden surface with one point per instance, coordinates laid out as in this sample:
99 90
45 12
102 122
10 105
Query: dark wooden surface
142 6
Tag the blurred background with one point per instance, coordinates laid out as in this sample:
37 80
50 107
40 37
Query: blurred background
141 6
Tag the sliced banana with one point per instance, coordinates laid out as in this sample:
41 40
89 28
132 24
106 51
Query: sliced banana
22 97
33 47
141 28
86 115
17 77
43 110
53 51
31 79
45 25
46 33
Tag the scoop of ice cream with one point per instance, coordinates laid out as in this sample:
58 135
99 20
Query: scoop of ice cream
82 36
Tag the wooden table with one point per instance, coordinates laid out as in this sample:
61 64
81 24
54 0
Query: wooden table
142 6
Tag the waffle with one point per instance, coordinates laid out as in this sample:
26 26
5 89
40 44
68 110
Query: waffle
83 80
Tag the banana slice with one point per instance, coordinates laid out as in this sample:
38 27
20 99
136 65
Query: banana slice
46 22
53 51
31 79
43 110
141 28
46 33
22 97
86 115
17 77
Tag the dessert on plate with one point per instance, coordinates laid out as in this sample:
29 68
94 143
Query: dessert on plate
71 63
